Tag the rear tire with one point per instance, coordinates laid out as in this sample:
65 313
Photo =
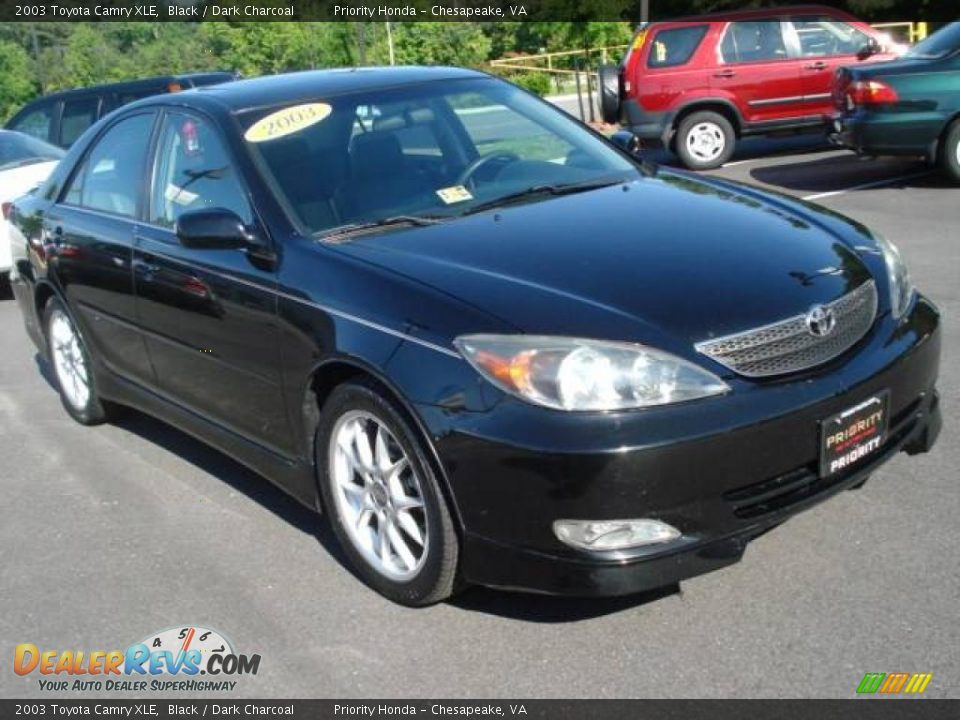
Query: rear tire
950 152
72 367
705 140
383 499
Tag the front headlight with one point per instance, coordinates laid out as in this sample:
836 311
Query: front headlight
901 287
574 374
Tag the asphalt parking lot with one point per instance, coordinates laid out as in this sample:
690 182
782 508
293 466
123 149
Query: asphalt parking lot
110 533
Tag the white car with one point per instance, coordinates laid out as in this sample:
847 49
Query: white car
25 162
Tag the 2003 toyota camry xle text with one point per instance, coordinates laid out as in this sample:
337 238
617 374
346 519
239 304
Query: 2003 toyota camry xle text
490 345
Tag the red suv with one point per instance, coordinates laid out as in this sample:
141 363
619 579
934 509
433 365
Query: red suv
700 84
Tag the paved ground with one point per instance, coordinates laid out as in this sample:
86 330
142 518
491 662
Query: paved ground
108 534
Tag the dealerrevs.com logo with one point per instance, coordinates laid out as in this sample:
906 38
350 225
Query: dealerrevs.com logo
166 661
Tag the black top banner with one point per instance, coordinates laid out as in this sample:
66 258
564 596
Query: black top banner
434 10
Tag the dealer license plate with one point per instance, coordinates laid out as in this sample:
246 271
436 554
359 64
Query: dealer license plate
853 435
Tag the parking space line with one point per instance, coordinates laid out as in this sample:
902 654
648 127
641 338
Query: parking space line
866 186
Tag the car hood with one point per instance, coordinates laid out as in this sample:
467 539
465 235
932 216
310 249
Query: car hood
669 259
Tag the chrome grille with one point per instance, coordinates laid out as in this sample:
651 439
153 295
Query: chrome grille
789 346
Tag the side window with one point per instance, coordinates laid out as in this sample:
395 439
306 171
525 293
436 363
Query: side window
77 116
36 122
112 173
754 41
821 35
675 46
193 171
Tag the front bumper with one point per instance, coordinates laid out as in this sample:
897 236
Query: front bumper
722 471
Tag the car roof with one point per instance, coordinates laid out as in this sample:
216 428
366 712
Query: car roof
749 13
133 84
271 90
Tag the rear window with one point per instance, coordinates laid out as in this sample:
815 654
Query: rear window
35 123
675 46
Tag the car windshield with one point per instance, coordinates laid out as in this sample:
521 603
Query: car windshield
17 149
435 150
940 44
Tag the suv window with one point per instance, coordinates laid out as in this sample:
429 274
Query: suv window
193 172
111 175
36 122
823 35
77 116
754 41
675 46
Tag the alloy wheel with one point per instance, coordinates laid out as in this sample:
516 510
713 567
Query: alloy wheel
69 362
378 495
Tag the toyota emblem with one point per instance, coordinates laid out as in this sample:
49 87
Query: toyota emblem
821 321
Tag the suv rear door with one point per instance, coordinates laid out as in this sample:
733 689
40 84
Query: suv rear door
757 71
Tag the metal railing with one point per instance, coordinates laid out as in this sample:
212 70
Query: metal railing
547 62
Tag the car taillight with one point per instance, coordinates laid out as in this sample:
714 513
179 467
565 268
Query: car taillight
870 92
6 207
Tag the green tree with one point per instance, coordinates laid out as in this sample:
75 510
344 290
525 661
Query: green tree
435 43
16 85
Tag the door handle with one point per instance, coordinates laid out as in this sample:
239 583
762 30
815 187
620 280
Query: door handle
725 74
142 267
819 65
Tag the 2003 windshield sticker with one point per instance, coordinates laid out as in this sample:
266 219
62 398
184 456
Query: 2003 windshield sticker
168 661
286 122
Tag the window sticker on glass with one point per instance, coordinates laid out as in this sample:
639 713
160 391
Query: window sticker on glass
179 195
287 121
454 194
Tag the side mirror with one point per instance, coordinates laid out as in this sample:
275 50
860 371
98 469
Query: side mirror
626 140
872 47
213 229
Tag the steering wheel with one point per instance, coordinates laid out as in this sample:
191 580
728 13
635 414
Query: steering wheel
470 170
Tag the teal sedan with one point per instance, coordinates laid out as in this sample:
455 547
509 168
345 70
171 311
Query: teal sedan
909 106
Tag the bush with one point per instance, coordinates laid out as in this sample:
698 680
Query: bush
535 82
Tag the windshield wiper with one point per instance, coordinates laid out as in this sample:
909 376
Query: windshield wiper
339 234
552 190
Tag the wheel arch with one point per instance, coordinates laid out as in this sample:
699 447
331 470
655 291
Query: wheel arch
717 105
42 293
936 146
336 370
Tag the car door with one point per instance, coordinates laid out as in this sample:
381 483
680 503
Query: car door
824 43
757 69
89 240
209 314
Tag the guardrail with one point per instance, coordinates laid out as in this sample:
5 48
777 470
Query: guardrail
911 32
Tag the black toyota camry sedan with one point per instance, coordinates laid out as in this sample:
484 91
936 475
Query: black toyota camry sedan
490 345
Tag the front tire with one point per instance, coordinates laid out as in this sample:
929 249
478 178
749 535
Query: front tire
950 152
383 498
705 140
72 367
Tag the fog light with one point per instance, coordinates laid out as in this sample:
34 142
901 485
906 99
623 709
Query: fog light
613 534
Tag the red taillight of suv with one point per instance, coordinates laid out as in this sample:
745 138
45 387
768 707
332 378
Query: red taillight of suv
869 92
6 207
